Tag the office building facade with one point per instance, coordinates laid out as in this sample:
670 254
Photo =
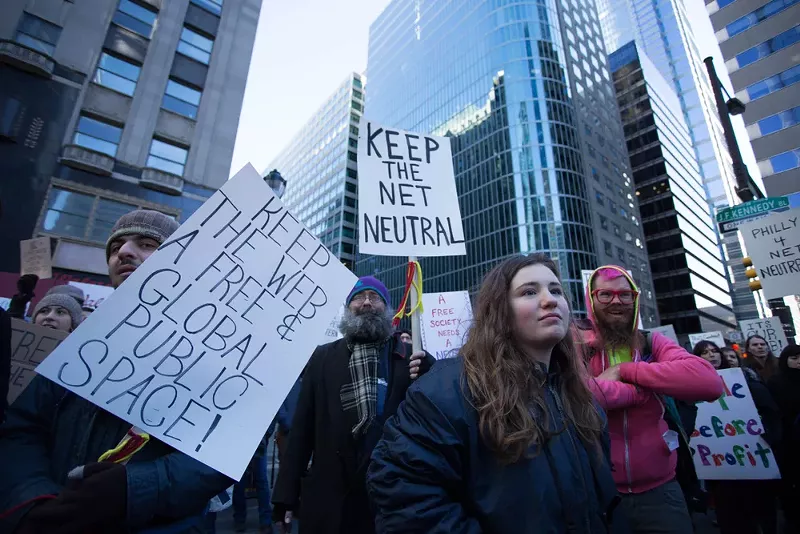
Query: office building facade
688 274
319 165
760 42
112 105
524 92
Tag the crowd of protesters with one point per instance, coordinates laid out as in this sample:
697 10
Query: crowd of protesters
539 424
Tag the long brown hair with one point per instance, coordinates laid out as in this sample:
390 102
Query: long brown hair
501 380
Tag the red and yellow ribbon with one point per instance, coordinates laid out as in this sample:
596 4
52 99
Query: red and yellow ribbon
413 280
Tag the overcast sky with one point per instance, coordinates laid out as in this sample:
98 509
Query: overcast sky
300 58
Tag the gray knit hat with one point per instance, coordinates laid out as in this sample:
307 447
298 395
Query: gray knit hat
66 289
64 301
147 223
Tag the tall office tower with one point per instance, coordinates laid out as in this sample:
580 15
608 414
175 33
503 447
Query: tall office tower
525 93
111 105
688 274
319 165
760 42
662 32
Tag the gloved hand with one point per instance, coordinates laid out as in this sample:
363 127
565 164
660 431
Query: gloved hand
94 501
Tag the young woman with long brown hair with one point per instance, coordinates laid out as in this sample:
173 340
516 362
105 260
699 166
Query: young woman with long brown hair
506 437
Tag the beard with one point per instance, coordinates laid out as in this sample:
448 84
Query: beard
616 330
367 326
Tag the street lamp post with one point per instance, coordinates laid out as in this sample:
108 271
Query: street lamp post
276 182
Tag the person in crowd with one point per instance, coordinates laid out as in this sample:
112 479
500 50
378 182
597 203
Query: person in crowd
405 335
506 437
731 356
69 290
349 388
760 358
19 302
757 513
258 469
785 388
638 378
285 415
5 362
49 431
57 311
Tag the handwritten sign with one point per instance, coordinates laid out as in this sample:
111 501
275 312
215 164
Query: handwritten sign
30 345
714 337
407 199
200 345
35 257
770 329
773 243
668 330
727 442
445 322
332 332
93 294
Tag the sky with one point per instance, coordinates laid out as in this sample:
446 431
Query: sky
299 60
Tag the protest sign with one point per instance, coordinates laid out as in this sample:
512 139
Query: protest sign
35 257
30 345
407 199
714 337
770 329
445 322
93 294
727 442
773 243
201 344
332 332
668 330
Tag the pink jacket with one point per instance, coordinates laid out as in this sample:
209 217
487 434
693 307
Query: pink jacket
641 459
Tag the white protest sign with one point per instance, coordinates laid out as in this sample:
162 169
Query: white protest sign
727 442
35 257
407 199
93 294
667 330
332 332
445 322
714 337
773 243
201 344
770 329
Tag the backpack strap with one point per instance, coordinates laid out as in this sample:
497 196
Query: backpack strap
647 349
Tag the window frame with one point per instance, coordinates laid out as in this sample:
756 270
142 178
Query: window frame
189 46
172 97
104 123
143 7
151 156
96 79
48 48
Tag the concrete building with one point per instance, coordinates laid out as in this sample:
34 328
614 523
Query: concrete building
662 31
525 93
111 105
760 42
319 165
689 276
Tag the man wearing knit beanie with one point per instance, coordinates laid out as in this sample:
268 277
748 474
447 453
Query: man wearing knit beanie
58 311
49 431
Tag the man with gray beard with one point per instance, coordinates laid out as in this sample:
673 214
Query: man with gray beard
350 387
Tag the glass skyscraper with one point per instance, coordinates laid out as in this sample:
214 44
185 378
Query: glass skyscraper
319 166
689 275
524 92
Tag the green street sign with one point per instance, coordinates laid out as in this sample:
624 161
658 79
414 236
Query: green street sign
730 218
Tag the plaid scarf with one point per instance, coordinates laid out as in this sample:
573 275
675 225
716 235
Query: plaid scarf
361 394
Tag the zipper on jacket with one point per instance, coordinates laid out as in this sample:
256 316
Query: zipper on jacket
627 449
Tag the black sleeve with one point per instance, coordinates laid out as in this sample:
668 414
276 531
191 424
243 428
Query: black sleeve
768 410
5 361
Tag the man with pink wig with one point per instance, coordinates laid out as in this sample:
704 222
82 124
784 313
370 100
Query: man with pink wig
635 373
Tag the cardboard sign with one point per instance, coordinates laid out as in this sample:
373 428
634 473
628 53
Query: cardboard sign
727 442
667 330
770 329
35 257
93 294
201 344
714 337
445 322
30 345
407 199
773 243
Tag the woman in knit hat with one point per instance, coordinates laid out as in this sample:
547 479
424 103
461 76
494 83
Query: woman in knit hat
58 311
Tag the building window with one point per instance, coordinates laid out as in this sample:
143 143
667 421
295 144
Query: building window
762 50
357 94
608 248
117 74
167 157
599 197
38 34
774 83
764 12
97 135
135 17
779 121
621 254
213 6
357 106
786 161
603 222
195 46
616 229
181 99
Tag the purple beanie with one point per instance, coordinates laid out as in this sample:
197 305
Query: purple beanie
369 282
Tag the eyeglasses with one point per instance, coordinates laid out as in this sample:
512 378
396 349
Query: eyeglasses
606 296
364 295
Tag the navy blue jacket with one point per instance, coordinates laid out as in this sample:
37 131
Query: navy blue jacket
50 430
432 473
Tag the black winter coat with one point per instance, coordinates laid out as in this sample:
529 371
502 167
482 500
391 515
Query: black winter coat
432 473
333 494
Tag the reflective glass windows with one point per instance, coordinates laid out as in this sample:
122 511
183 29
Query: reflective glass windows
135 17
117 74
167 157
97 135
786 161
764 12
195 46
37 33
181 99
774 83
762 50
212 6
779 121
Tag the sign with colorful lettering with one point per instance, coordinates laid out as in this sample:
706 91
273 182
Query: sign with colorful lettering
93 294
445 322
407 199
715 337
770 329
727 442
773 243
201 344
30 345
